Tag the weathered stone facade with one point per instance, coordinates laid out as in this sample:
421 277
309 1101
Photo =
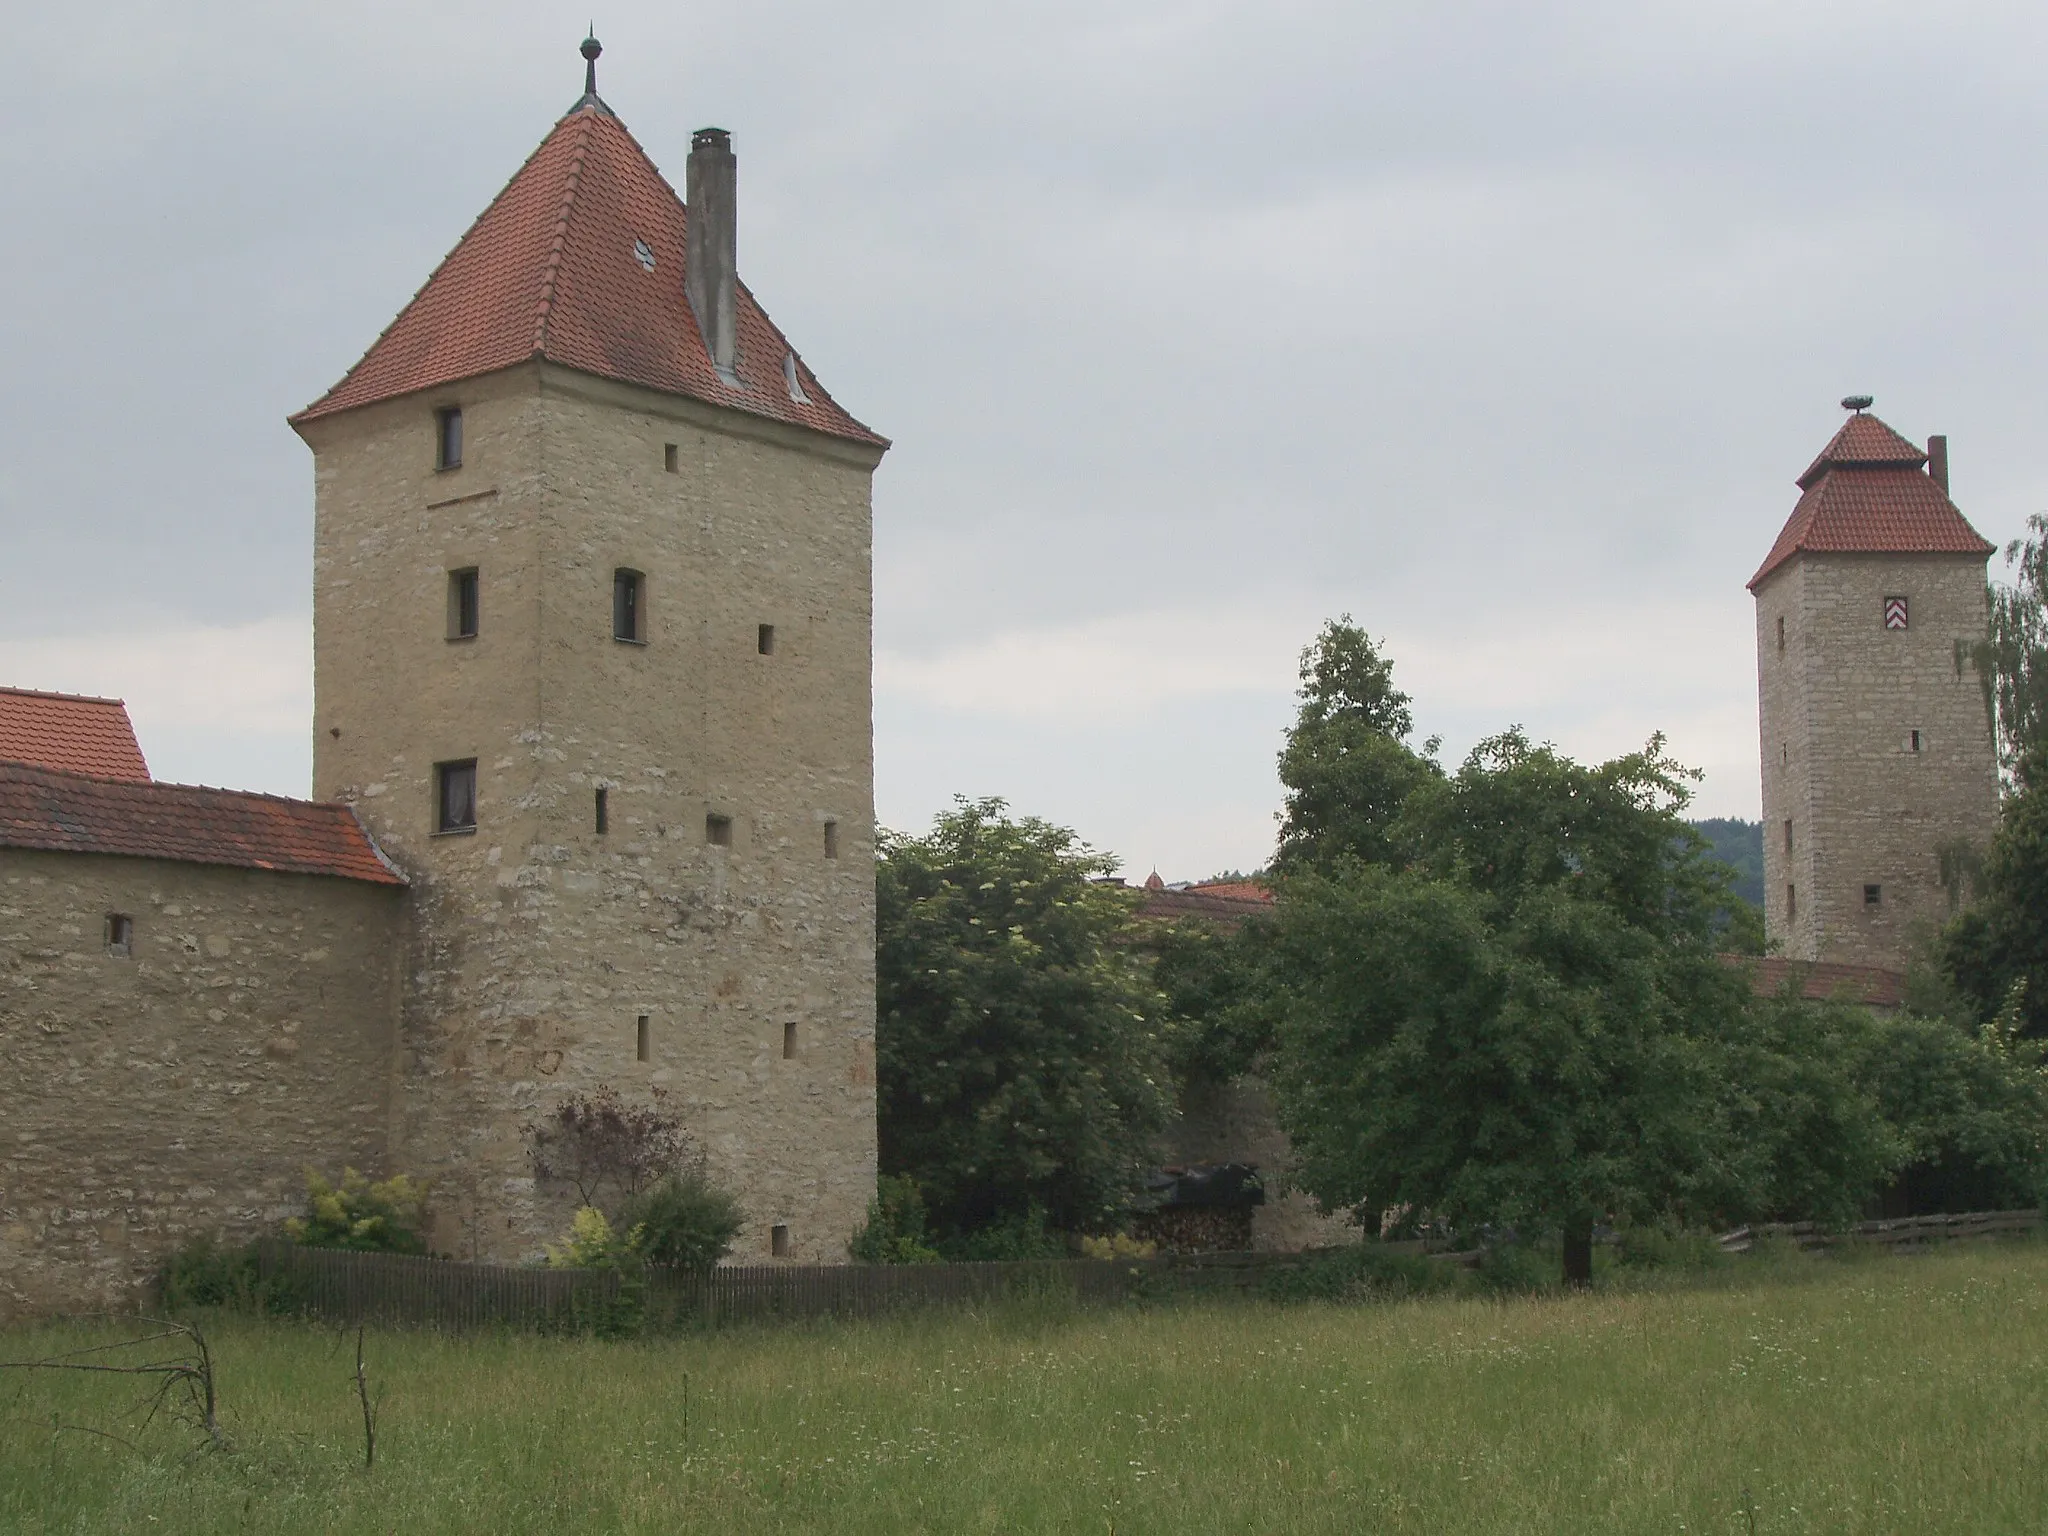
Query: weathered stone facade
540 942
1237 1122
182 1089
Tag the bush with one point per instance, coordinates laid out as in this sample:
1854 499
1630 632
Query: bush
1518 1269
894 1232
206 1273
1675 1248
684 1222
591 1244
1118 1245
360 1215
1362 1272
1027 1235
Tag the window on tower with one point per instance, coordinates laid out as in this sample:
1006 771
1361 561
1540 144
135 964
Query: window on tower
1873 895
448 437
764 642
604 810
1781 631
455 796
718 830
629 607
1788 837
462 604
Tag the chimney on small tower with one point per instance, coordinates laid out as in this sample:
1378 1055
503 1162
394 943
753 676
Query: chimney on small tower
710 260
1937 461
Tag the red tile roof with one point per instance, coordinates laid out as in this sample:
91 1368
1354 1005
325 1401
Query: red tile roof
1866 494
1823 981
550 270
80 813
1236 890
69 732
1202 906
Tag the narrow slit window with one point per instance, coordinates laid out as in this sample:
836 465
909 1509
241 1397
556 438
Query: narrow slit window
1791 901
1788 837
629 606
765 641
778 1241
643 1039
668 457
789 1042
1912 741
831 839
604 810
462 604
1781 632
120 935
718 830
455 796
448 437
1873 895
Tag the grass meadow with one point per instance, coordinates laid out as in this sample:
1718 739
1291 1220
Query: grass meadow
1873 1395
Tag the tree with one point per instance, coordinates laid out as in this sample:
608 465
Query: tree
1019 1067
597 1141
1996 950
2012 660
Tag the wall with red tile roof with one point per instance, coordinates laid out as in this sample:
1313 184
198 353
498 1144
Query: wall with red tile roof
78 813
549 270
70 732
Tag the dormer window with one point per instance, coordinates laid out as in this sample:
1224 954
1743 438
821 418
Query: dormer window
448 437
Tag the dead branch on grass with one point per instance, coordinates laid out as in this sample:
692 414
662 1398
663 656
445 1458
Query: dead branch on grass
183 1384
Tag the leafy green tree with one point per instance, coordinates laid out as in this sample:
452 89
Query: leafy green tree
1347 768
369 1216
1996 951
1219 998
1019 1067
2012 660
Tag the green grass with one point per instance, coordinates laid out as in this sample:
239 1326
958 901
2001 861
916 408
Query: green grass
1888 1395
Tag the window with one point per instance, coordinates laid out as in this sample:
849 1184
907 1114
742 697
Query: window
643 1040
629 593
718 830
1873 895
668 457
120 935
1788 837
455 796
1791 902
765 641
1912 741
448 437
604 818
831 839
462 605
789 1042
1781 632
778 1241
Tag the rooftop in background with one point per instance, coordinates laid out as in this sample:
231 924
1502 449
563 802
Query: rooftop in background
1822 981
1867 494
1223 902
579 260
71 733
81 813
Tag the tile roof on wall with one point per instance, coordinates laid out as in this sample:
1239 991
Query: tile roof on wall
79 813
70 732
550 270
1866 494
1823 981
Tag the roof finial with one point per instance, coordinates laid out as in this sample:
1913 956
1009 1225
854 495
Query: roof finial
590 50
1857 403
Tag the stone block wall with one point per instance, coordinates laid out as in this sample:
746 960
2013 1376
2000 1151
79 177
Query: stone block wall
183 1089
1236 1122
1876 750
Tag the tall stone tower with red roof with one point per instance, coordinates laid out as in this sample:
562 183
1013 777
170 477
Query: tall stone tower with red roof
1877 751
592 658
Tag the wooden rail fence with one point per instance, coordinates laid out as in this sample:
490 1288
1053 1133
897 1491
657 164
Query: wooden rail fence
445 1293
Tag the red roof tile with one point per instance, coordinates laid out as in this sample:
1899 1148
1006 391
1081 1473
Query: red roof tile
1202 906
1236 890
549 270
1824 981
79 813
1866 494
69 732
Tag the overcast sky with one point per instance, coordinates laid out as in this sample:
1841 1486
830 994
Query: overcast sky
1504 328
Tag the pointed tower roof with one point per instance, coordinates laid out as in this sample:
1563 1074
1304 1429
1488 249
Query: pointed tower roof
579 260
1867 494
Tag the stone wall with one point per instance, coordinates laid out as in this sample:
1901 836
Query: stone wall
1235 1122
1869 802
181 1090
540 942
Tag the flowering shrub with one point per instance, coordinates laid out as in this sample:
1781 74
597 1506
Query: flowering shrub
369 1217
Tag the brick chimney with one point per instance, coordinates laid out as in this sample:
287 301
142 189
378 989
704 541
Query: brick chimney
710 261
1937 461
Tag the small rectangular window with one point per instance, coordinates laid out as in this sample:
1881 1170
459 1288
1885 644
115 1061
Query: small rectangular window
831 839
643 1040
668 457
455 796
448 437
778 1241
1791 902
765 641
628 606
1781 632
462 604
604 818
718 830
1873 895
120 935
1788 837
1912 741
789 1042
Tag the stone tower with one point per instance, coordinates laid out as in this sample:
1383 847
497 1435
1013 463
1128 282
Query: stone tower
1877 752
592 658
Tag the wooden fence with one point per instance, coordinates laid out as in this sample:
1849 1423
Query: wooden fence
444 1293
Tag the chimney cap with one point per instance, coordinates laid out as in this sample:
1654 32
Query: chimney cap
714 138
1858 403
